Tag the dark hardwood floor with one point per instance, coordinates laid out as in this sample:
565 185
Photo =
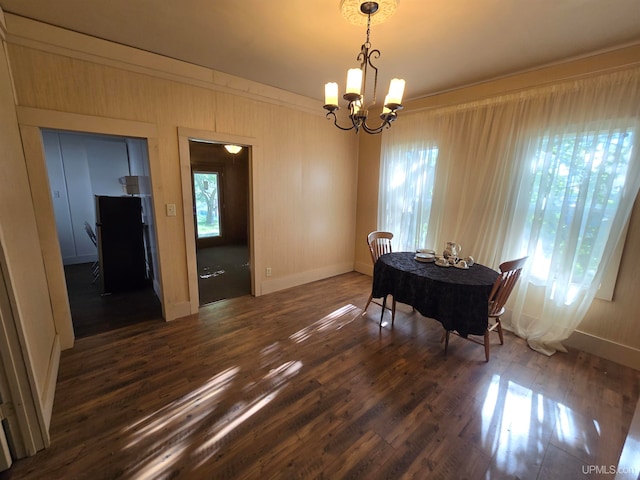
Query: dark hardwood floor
223 272
93 313
301 384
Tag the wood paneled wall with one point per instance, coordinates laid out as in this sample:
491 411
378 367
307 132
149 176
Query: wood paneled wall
303 169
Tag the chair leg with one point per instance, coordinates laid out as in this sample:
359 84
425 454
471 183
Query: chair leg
393 311
500 331
368 302
487 345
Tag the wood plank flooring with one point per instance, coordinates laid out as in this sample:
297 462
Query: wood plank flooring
301 384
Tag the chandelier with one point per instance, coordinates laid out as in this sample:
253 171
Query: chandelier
357 79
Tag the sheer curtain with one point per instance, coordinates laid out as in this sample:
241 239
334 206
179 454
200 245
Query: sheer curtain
407 178
550 172
580 177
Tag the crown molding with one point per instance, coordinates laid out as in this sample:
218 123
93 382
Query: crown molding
48 38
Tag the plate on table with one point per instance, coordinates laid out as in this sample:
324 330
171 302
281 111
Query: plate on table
443 264
461 266
425 257
426 250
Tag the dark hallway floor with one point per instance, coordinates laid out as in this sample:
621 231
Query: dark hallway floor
94 313
223 272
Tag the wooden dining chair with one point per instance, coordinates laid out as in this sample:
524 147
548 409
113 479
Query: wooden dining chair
502 287
380 243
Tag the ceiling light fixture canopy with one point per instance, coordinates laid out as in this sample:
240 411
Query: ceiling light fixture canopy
233 149
357 77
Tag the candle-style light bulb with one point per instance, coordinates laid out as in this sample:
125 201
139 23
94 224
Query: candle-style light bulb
396 90
354 81
331 94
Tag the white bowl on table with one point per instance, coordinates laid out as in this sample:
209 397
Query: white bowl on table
425 257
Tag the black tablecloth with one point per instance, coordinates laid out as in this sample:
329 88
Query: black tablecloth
456 298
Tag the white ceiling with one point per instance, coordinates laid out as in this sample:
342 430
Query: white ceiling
298 45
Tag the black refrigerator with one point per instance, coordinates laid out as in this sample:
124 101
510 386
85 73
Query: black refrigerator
121 251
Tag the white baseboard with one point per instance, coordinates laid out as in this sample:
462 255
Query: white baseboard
364 267
281 283
173 311
616 352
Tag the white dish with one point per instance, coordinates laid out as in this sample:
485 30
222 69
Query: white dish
428 251
443 264
421 257
461 267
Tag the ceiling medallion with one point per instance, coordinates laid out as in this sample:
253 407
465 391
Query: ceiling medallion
352 12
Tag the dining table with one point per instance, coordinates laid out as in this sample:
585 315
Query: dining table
458 298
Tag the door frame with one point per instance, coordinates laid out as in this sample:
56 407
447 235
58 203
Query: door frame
26 421
31 121
184 136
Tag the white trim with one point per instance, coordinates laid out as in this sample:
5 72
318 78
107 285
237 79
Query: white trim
616 352
42 118
184 135
29 437
608 283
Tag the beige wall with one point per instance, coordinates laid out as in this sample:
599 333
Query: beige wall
610 329
303 171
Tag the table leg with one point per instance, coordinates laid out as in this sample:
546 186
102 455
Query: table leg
384 305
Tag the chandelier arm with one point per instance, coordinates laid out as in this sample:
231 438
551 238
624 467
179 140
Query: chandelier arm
335 122
385 124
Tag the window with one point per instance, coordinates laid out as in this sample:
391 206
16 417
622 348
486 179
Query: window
406 180
575 183
206 189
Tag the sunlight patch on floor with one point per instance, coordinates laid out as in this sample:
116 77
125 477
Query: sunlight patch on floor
159 419
180 415
334 319
183 423
517 422
238 414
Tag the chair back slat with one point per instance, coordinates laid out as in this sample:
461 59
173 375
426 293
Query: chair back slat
379 244
509 273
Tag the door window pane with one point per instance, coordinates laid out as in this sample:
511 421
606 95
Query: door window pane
207 201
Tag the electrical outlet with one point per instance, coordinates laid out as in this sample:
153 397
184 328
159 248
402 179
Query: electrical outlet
268 271
171 209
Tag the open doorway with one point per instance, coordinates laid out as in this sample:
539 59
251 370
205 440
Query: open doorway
97 182
220 189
